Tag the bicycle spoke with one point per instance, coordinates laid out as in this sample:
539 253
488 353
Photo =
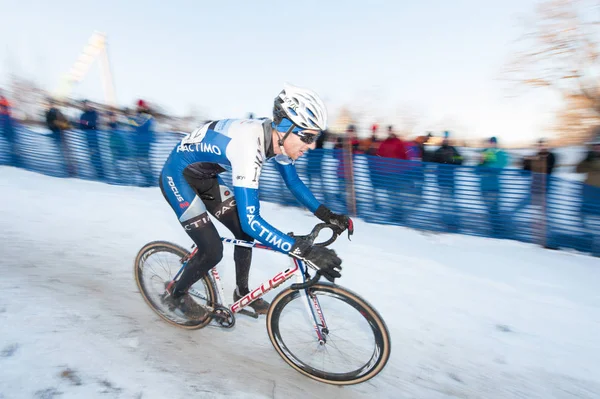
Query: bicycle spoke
344 355
155 273
164 268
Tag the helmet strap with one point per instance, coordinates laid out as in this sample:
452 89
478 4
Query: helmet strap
280 139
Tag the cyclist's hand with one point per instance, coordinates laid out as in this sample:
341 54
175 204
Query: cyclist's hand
321 258
341 222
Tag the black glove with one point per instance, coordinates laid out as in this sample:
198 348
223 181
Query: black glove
321 258
342 222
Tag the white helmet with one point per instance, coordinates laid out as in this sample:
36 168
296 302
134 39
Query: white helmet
302 107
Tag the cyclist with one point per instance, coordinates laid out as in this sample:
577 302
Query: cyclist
191 184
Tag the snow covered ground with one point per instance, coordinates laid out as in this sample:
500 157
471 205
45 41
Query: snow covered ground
469 317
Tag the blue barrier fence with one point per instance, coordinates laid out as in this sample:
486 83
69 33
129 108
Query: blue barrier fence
506 203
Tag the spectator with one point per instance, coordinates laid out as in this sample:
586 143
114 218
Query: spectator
590 204
423 154
4 106
118 147
591 164
113 121
541 166
89 117
143 123
491 163
393 146
58 124
7 129
448 159
419 156
371 145
388 175
88 122
447 154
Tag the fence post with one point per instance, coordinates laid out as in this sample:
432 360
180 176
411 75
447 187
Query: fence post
349 175
538 197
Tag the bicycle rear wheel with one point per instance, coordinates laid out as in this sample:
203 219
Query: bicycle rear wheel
157 263
357 344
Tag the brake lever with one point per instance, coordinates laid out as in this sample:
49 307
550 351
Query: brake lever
350 228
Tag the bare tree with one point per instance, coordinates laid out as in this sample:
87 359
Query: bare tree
560 51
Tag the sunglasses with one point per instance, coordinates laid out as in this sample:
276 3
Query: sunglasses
307 138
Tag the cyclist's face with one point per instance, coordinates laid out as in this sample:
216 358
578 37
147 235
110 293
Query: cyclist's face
295 146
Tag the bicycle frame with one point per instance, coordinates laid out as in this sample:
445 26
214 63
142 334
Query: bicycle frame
297 268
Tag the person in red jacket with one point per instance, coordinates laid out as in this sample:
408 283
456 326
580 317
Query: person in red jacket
388 175
393 146
7 129
4 106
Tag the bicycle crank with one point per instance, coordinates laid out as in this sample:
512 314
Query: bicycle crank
223 316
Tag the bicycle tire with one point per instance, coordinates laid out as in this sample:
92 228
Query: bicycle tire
164 246
380 331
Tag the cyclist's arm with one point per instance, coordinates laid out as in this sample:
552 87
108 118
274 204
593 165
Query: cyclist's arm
297 187
253 224
246 167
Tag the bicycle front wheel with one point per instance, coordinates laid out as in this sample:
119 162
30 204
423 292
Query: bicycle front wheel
356 344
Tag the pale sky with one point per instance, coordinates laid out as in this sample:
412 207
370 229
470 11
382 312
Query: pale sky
438 60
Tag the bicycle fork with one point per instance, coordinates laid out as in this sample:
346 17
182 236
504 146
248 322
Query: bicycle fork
313 307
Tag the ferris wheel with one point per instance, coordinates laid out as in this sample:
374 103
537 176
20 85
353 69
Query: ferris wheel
94 49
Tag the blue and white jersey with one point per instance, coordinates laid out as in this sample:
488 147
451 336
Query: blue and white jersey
244 145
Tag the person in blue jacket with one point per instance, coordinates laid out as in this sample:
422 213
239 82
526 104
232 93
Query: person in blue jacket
88 123
143 125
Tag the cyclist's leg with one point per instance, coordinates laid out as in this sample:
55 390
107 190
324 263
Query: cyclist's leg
220 202
194 218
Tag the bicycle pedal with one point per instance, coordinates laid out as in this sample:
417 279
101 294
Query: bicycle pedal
245 312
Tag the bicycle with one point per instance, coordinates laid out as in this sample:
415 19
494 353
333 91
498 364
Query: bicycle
352 365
